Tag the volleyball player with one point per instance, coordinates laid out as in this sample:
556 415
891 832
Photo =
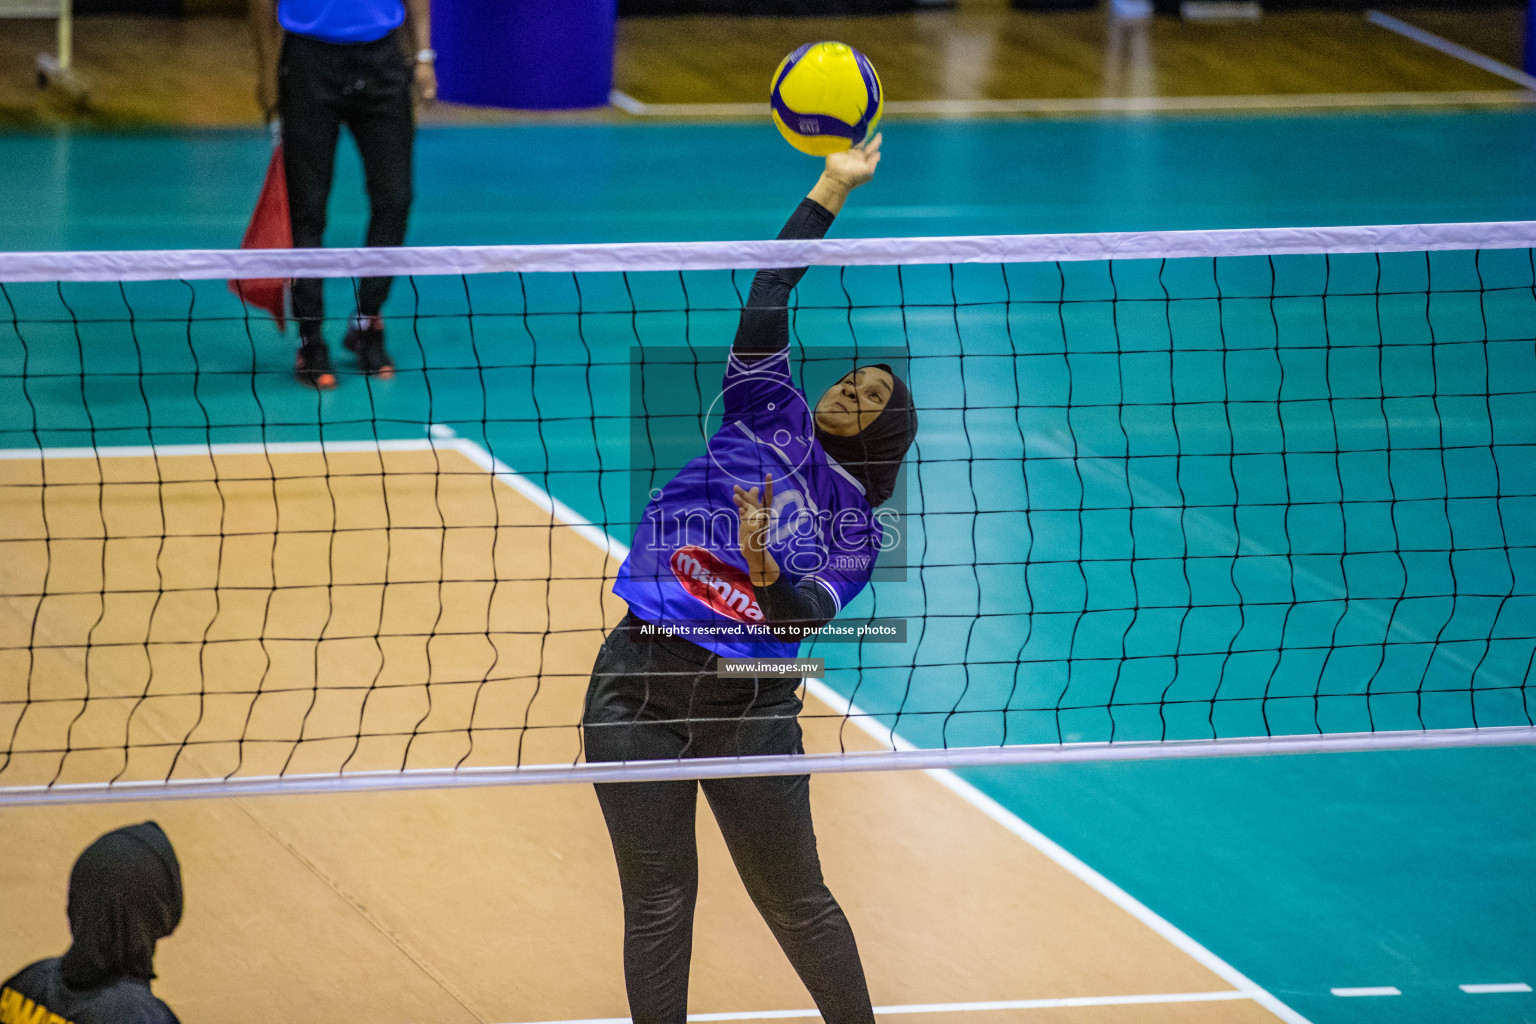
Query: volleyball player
124 896
767 534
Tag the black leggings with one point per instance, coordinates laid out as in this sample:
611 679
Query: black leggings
367 87
659 699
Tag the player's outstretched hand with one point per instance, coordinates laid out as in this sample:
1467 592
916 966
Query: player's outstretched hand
755 516
853 167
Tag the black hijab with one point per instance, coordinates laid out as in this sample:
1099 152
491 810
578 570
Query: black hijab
873 455
124 895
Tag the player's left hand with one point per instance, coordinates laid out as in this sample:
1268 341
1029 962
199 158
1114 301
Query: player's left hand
426 83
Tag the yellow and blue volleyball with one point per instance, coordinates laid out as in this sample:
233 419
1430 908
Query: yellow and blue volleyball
826 97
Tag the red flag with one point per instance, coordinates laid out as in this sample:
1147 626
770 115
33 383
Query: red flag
269 229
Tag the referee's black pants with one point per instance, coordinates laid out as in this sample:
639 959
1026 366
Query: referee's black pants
659 699
368 88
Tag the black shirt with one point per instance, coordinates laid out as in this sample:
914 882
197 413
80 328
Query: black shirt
40 987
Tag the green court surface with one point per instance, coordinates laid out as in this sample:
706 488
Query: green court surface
1306 873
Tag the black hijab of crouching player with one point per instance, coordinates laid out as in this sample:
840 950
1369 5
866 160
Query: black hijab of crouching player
124 896
655 697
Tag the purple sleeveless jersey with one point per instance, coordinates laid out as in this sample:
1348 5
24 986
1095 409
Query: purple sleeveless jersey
685 571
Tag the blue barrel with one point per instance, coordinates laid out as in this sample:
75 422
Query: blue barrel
524 54
1530 38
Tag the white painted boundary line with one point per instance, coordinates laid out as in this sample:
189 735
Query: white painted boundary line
1483 990
215 264
441 439
167 451
1000 1004
1104 105
559 511
1377 990
1451 49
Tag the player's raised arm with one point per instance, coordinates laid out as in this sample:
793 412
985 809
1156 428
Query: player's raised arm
764 326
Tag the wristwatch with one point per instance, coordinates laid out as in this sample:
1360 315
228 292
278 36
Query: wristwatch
426 56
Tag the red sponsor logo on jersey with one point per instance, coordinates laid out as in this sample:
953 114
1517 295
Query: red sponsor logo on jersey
718 584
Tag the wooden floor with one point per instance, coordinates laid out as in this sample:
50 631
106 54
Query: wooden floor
200 71
989 51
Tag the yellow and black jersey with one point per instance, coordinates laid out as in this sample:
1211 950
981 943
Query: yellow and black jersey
38 995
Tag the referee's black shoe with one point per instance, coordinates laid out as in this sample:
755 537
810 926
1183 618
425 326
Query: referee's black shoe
312 367
366 338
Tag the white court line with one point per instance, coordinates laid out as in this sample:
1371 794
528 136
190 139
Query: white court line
442 438
144 451
1451 49
557 509
1001 1004
1111 105
1379 990
627 103
1480 990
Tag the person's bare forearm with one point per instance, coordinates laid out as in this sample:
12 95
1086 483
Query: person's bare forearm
264 33
830 193
419 14
762 569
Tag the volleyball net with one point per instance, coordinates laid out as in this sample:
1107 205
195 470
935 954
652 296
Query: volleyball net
1174 494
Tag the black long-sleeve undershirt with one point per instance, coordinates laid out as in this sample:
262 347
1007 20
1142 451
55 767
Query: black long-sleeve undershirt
764 326
805 605
764 330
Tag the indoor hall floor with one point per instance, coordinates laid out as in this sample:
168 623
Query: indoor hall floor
199 71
